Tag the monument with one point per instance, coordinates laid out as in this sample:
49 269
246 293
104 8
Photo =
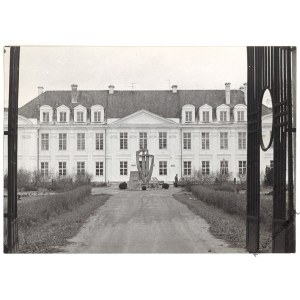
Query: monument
142 176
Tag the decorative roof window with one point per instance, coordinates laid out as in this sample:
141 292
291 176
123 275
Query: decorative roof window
46 114
223 113
80 114
97 114
63 114
205 113
240 113
188 114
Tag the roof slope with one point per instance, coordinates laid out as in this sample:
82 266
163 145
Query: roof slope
122 103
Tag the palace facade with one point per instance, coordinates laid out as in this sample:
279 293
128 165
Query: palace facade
72 132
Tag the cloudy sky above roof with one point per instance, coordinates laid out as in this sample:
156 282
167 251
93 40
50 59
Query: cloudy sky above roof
138 68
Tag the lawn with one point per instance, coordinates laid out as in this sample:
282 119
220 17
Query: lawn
225 212
48 222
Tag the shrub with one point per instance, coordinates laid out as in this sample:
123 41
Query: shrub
23 178
41 210
165 186
230 202
144 188
98 184
226 187
123 186
268 178
83 179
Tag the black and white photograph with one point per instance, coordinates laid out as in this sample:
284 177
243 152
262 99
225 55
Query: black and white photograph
150 149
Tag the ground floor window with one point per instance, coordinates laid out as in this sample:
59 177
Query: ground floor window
99 168
80 168
187 168
44 169
163 168
224 167
242 167
123 167
62 168
205 167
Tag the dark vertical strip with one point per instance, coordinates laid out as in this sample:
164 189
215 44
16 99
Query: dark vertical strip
253 72
13 149
291 208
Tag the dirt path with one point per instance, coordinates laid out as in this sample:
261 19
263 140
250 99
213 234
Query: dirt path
145 222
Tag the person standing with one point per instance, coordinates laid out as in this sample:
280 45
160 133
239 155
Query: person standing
176 180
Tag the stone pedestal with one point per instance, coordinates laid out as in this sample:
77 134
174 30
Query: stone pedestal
134 182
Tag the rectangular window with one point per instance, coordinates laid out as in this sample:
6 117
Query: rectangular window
223 116
45 141
123 167
99 141
187 168
242 167
44 169
62 168
205 116
80 168
123 140
205 168
205 140
271 164
163 169
162 140
62 141
223 140
188 116
46 117
63 116
99 168
240 116
80 141
224 167
97 116
80 116
143 140
242 140
187 140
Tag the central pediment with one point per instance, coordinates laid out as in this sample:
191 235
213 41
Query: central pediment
143 117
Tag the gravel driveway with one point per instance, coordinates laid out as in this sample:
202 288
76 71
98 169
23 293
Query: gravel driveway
149 221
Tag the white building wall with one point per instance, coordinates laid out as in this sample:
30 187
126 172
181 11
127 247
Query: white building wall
111 155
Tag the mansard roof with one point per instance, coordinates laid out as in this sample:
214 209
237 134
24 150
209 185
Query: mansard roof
123 103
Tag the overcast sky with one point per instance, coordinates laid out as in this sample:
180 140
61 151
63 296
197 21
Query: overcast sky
94 68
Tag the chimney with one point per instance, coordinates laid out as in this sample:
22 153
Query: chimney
74 93
40 90
174 89
245 92
111 89
227 93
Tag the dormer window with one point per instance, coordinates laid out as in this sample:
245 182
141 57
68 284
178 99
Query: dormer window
240 113
223 116
240 116
46 113
45 117
188 117
97 114
80 114
63 114
205 113
223 113
188 113
205 116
